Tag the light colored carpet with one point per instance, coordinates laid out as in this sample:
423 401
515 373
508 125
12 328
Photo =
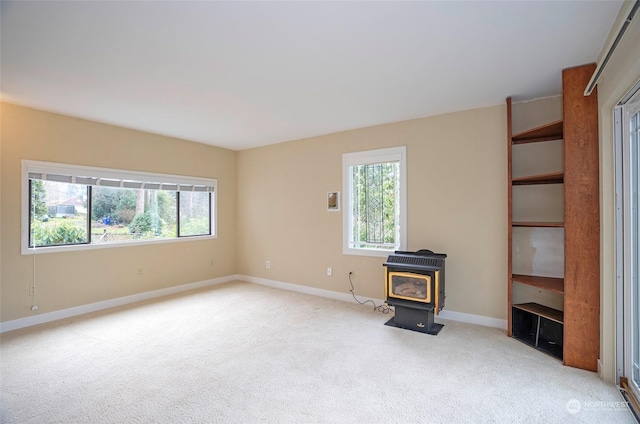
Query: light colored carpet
244 353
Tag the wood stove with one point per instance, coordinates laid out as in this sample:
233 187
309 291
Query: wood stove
414 286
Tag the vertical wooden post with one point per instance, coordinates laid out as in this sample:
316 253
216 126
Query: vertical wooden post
509 218
581 221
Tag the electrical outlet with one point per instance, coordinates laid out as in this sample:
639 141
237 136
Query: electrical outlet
140 272
329 272
32 290
268 265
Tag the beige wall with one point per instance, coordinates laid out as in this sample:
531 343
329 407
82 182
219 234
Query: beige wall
456 186
68 279
457 177
620 74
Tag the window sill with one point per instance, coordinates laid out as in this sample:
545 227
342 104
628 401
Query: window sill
79 247
368 252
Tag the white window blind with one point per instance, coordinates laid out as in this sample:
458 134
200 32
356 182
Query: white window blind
93 176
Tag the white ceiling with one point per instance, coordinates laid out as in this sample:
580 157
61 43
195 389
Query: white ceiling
244 74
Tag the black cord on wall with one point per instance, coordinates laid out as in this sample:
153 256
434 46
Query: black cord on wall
385 309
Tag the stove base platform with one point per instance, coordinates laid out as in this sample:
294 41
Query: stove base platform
419 320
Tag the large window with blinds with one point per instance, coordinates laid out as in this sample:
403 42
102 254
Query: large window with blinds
375 201
67 207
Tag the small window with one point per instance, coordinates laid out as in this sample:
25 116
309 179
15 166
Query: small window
58 214
195 219
374 220
69 207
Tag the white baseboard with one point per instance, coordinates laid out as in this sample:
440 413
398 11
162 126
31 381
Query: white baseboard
106 304
444 314
600 369
111 303
345 297
474 319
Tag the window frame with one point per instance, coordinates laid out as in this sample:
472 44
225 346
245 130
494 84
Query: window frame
179 225
30 216
626 254
385 155
30 166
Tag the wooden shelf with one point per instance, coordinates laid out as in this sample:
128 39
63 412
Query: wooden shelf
552 178
539 224
547 283
543 311
548 132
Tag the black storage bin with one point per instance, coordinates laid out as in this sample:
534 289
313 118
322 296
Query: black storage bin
536 329
524 326
550 337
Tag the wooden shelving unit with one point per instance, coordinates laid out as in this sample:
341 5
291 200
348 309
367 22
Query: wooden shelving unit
527 319
570 334
543 133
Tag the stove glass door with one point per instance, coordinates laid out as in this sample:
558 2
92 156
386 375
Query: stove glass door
410 286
